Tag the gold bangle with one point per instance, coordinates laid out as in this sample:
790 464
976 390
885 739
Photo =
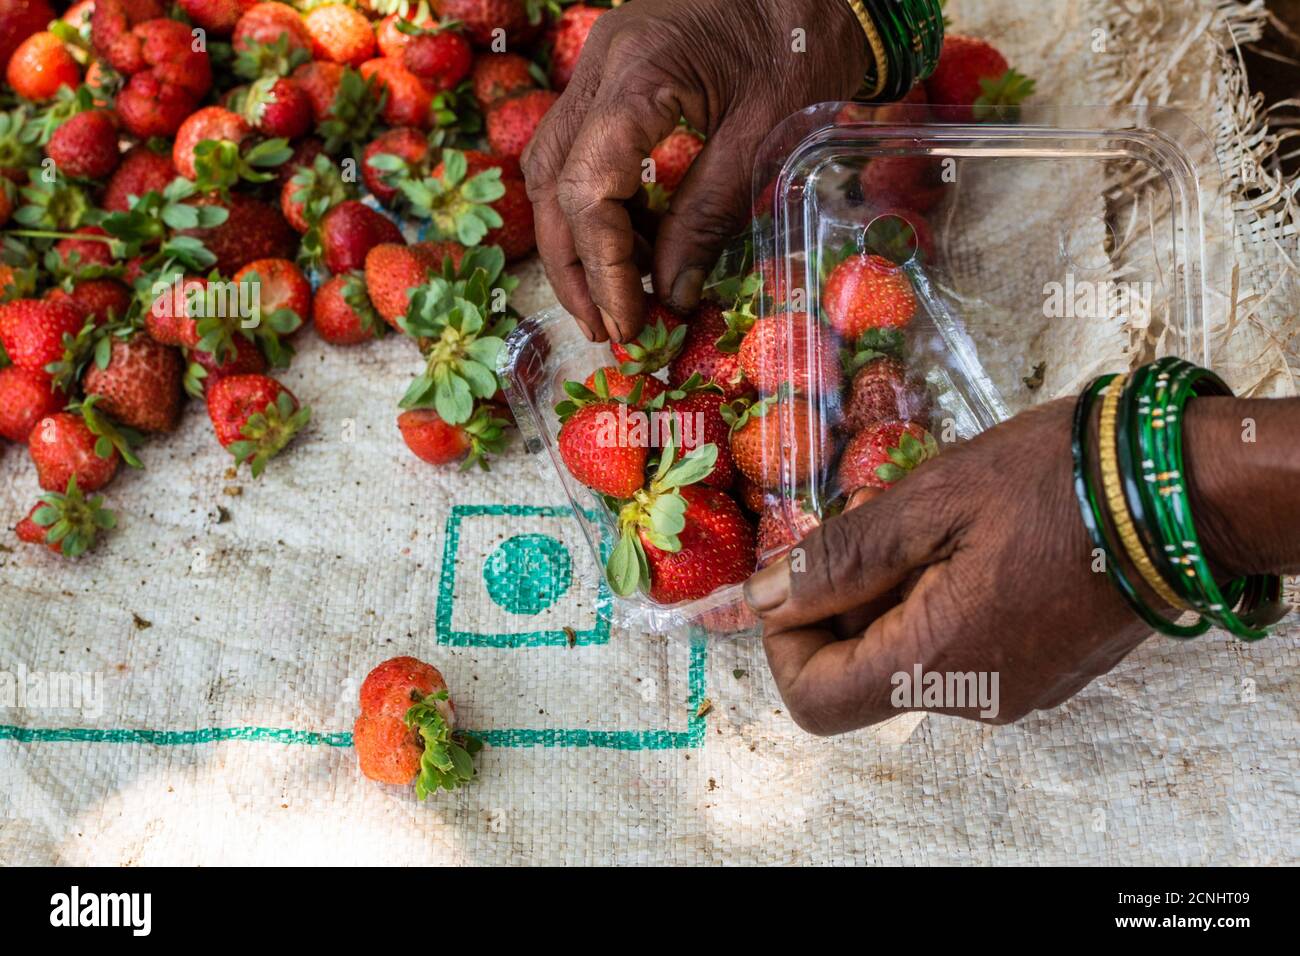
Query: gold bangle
1119 513
876 44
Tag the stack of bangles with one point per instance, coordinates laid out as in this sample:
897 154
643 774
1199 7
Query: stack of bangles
1142 503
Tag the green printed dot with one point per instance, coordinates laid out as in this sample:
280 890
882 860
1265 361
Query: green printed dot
528 573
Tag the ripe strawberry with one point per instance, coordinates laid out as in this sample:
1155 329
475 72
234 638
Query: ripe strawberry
790 350
672 158
515 235
218 17
881 392
441 60
19 19
480 18
206 368
913 182
972 82
409 102
63 447
405 732
618 385
392 41
211 122
392 270
149 107
699 422
656 345
111 23
350 230
320 80
701 356
165 48
567 39
304 155
254 417
6 204
512 122
85 145
253 230
40 66
65 522
754 497
433 440
85 252
779 443
882 454
780 528
169 320
281 285
312 191
342 311
716 549
25 398
140 386
496 76
100 300
599 453
141 171
867 292
277 106
339 34
265 23
410 145
32 331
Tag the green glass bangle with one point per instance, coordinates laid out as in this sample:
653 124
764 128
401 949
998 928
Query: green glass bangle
912 34
1094 521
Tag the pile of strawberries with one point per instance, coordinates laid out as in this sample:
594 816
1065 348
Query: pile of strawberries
719 439
186 187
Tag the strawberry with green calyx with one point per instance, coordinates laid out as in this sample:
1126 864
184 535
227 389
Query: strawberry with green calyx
883 392
461 347
66 104
305 200
342 312
655 515
659 342
406 152
769 455
599 444
871 345
78 442
20 145
219 164
266 324
52 203
697 409
278 57
109 437
78 349
867 291
742 315
433 440
204 368
357 105
673 158
448 758
974 83
136 380
884 453
701 356
611 382
790 350
66 522
254 417
457 118
275 106
457 205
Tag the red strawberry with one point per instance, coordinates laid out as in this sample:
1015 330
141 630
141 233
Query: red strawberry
655 346
168 320
791 350
265 23
701 356
277 106
62 447
254 417
85 145
253 230
780 528
320 81
867 292
32 331
717 549
141 171
441 60
247 359
481 18
673 158
496 76
600 453
211 122
406 143
25 398
312 191
408 102
913 182
304 155
392 270
779 444
111 23
388 751
19 19
882 454
281 285
699 423
29 532
515 235
166 49
512 122
149 107
350 230
972 82
339 34
141 384
88 252
881 392
40 66
98 299
392 41
218 17
619 385
433 440
754 497
65 522
568 37
342 311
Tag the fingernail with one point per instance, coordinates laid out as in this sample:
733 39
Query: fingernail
687 288
615 333
769 587
591 336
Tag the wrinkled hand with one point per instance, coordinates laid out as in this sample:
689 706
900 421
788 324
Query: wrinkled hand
1006 584
730 68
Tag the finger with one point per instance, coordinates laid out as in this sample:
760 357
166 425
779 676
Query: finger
602 172
857 557
706 212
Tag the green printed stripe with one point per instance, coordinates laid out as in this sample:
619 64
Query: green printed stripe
693 736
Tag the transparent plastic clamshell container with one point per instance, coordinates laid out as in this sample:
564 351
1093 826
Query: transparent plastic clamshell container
1038 253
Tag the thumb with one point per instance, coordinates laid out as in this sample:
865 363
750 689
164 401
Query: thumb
707 210
855 558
